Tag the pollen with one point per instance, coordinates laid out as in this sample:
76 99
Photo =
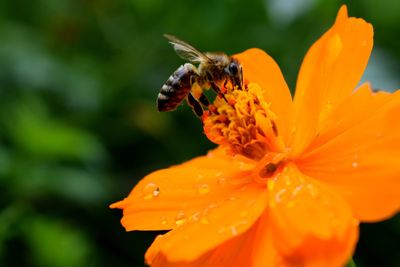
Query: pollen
243 122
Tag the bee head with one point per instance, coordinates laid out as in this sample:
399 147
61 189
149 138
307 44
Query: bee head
235 73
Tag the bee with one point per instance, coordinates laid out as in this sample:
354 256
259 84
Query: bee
189 81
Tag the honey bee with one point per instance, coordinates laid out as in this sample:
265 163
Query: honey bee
189 81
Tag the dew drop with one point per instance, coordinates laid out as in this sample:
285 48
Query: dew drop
233 230
204 220
270 184
354 164
279 194
250 202
221 181
212 206
297 190
196 216
290 204
379 136
244 166
180 218
313 191
219 174
163 221
327 108
203 189
150 191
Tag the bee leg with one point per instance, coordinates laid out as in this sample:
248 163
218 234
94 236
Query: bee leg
218 91
195 105
204 100
226 82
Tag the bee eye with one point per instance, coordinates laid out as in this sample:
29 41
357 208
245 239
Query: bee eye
233 68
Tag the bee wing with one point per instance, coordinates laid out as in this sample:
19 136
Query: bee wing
186 51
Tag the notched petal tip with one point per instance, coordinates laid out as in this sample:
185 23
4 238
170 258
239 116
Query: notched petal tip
330 71
117 205
342 14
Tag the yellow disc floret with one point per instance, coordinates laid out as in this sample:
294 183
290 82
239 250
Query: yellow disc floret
242 120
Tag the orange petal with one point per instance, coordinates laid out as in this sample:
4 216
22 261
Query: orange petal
259 67
311 226
330 72
264 252
218 223
252 248
360 156
235 252
362 104
167 198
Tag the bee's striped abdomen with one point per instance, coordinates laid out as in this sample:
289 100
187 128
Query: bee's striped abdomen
176 88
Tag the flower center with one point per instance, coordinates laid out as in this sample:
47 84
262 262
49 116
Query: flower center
243 122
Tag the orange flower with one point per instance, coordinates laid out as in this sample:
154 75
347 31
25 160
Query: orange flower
291 179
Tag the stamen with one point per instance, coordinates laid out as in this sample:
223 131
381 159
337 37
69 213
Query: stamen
243 121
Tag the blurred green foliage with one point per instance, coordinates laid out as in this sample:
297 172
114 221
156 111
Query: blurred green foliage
78 123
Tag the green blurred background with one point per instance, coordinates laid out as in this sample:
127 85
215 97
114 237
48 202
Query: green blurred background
79 126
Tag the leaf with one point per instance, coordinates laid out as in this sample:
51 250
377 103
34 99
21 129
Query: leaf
351 263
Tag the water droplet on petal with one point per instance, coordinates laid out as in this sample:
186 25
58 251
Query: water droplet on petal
354 164
297 190
279 194
219 174
203 189
290 204
313 191
327 109
212 206
245 166
163 221
221 181
150 191
233 230
196 216
270 184
180 218
204 220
